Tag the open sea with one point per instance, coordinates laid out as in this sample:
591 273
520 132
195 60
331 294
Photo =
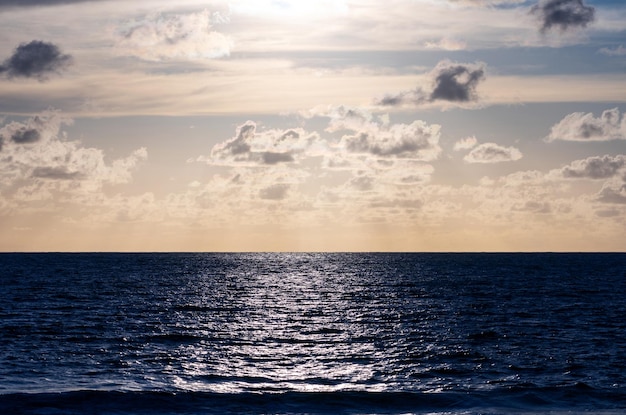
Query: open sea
312 333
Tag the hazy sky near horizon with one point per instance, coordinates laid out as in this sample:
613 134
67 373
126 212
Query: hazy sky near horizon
262 125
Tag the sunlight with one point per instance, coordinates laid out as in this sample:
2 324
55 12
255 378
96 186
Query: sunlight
290 8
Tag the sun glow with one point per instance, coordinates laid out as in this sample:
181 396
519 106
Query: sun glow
290 8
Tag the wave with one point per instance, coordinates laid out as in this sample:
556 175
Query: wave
578 398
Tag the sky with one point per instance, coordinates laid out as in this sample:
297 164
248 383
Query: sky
285 125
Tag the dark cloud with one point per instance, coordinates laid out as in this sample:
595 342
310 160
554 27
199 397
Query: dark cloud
456 83
451 82
595 167
393 100
565 14
271 157
36 59
56 173
26 136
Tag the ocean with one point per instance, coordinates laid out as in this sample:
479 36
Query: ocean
312 333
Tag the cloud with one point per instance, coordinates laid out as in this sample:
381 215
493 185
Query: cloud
617 51
160 37
274 192
237 146
406 172
610 168
608 213
25 135
347 118
374 136
456 82
465 143
579 126
451 83
37 150
446 44
565 14
613 194
264 148
362 183
492 153
41 127
595 168
417 140
364 162
533 207
36 59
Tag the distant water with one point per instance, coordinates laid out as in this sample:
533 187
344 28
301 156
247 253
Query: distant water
312 333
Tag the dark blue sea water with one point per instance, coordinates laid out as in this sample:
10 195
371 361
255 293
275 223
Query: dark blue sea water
312 333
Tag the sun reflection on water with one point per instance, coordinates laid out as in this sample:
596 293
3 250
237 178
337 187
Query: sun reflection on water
289 326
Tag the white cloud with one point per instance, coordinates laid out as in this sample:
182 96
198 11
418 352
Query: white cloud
492 153
579 126
465 143
265 148
36 154
417 140
161 36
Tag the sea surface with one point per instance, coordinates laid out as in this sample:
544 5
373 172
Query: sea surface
312 333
